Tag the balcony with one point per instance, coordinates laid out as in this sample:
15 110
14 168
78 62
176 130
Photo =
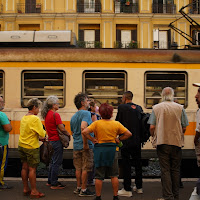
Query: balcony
89 44
164 8
89 8
127 45
29 8
126 7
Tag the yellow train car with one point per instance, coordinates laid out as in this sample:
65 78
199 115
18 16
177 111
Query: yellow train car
104 74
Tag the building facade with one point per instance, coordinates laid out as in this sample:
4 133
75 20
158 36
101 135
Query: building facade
105 23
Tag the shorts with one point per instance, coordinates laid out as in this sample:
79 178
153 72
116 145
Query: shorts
83 160
102 172
31 156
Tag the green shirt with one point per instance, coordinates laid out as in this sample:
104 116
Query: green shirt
4 136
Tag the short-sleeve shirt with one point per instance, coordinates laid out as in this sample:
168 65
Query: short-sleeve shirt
51 123
4 136
106 131
75 123
30 129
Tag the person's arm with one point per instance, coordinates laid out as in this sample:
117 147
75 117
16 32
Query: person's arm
7 127
127 134
86 133
84 125
152 122
152 129
63 130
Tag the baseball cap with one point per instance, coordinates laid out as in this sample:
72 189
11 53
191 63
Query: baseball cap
196 84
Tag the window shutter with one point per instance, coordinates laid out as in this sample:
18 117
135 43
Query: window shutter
97 35
118 35
30 6
169 38
80 5
194 32
81 35
134 35
97 6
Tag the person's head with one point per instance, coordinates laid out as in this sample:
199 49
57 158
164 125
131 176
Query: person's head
92 106
167 94
81 101
2 103
33 105
51 103
106 111
127 97
197 97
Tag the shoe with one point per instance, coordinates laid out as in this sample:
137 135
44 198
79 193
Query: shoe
59 186
139 191
86 193
160 199
27 193
97 198
115 198
37 196
77 191
124 193
5 186
91 184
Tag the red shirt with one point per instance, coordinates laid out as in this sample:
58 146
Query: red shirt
51 125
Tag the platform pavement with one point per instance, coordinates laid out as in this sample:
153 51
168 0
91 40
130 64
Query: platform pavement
151 187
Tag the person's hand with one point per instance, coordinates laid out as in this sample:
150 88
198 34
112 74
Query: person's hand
95 141
117 140
85 146
42 139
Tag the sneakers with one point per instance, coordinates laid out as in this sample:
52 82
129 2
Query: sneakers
124 193
5 186
86 193
139 191
77 191
115 198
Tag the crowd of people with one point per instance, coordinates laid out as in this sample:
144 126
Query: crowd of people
96 140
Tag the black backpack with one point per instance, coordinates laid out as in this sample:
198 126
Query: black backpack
145 132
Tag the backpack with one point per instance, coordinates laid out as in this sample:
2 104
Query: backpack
145 132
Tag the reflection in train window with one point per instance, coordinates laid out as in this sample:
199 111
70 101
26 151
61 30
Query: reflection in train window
105 86
2 84
41 84
155 81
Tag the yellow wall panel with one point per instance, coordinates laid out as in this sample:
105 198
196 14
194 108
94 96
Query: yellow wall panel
48 5
145 35
107 34
145 6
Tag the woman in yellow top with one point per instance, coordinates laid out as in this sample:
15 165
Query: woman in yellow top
31 130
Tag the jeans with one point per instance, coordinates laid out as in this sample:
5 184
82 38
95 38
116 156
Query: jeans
56 161
135 154
170 161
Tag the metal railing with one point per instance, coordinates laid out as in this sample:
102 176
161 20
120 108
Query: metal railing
164 8
89 44
29 8
194 9
89 8
126 8
127 45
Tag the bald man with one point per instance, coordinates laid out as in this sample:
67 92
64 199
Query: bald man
168 123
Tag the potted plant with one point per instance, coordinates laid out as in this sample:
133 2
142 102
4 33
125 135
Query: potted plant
127 2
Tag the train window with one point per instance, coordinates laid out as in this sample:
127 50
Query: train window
41 84
105 86
157 80
2 83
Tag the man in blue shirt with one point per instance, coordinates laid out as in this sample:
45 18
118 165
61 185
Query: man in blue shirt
83 148
5 128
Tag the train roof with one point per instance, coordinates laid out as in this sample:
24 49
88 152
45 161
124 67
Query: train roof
35 54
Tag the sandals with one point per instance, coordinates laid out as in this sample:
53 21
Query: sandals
27 193
59 186
37 196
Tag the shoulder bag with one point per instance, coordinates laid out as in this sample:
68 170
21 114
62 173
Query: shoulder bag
63 138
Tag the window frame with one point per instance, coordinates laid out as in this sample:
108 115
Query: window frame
3 83
105 71
167 72
43 71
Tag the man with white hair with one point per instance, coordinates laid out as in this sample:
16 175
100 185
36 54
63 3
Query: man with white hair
168 123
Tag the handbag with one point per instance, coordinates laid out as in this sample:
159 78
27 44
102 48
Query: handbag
63 137
46 152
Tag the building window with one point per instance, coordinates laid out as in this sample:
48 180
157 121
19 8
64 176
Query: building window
155 81
161 39
2 87
41 84
88 6
164 6
126 6
105 86
126 36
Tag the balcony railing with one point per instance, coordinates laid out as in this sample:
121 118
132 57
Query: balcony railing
29 8
164 8
127 45
126 8
89 44
89 8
